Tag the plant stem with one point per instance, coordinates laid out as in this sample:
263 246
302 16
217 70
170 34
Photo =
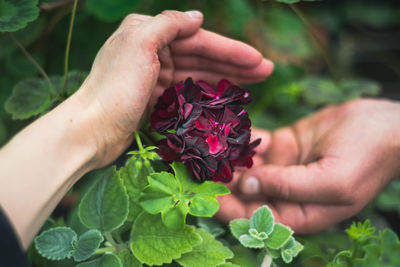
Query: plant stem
34 63
267 261
54 5
317 42
110 239
138 141
67 48
104 250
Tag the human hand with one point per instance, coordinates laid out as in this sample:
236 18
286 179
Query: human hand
148 54
323 169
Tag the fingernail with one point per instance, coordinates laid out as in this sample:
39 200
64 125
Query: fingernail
194 14
251 186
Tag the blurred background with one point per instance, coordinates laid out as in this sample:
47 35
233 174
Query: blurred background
325 52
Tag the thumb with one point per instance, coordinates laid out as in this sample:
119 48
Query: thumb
301 183
169 25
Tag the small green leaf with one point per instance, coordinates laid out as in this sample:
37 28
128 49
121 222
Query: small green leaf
290 250
175 196
87 244
110 11
15 15
154 244
360 232
274 253
286 257
262 220
239 227
250 242
279 236
107 260
134 176
128 260
56 243
228 265
105 205
209 252
29 97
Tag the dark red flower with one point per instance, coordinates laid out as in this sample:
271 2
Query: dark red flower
206 129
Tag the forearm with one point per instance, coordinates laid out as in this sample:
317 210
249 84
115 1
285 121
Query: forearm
41 163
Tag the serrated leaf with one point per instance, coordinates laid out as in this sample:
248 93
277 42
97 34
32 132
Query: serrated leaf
262 220
105 205
128 260
286 257
154 244
29 97
110 11
134 176
15 15
56 243
107 260
87 244
239 227
228 265
250 242
209 252
291 249
175 196
279 236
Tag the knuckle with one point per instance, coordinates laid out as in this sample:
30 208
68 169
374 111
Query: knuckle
132 19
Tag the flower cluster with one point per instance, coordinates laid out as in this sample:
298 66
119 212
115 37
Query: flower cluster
206 129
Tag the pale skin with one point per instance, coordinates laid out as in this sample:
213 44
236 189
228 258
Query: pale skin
93 127
321 170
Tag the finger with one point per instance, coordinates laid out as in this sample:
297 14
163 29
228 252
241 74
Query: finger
309 218
191 63
214 46
320 182
284 148
213 78
230 208
169 25
265 137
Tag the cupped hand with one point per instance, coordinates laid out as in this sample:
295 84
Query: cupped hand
148 54
323 169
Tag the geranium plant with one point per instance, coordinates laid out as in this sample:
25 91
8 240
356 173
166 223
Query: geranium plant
136 215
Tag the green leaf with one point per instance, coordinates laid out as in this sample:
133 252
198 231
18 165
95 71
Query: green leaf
127 259
107 260
110 11
134 176
56 243
250 242
29 97
87 244
290 250
211 225
279 236
239 227
175 196
105 205
154 244
209 252
244 257
360 232
262 220
228 265
15 15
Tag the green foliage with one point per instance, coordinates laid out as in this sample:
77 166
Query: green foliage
262 232
34 96
154 243
107 260
56 243
110 10
106 205
360 232
127 259
212 226
209 252
16 14
87 244
176 196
